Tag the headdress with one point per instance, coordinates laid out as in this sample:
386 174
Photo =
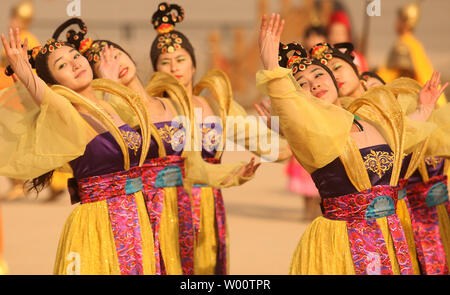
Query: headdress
298 60
49 46
324 52
24 11
168 40
410 14
366 75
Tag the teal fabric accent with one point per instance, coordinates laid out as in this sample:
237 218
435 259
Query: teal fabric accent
402 194
133 185
437 194
200 185
169 177
380 207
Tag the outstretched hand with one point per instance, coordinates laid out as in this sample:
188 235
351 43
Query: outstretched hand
246 171
249 169
430 92
108 65
269 40
17 54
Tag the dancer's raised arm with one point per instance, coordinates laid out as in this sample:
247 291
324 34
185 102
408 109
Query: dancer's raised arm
17 55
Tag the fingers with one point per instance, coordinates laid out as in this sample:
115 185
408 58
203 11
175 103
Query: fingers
17 38
110 52
266 106
6 45
14 78
276 24
259 110
263 23
270 26
438 80
25 46
280 29
12 40
263 28
442 89
256 167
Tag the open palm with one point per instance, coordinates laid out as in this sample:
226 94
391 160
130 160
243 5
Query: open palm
269 40
17 54
430 91
108 65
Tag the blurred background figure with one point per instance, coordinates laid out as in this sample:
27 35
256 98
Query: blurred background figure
339 31
371 79
21 16
301 183
314 34
407 57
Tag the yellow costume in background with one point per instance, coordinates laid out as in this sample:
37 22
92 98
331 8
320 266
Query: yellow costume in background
408 55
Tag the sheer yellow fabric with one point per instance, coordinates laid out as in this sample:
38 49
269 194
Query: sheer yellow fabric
169 233
205 254
87 243
405 220
197 171
405 91
422 65
323 249
444 229
379 107
37 139
316 131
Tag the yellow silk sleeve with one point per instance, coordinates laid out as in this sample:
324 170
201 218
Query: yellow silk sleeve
37 139
253 133
198 171
121 107
407 92
316 131
439 142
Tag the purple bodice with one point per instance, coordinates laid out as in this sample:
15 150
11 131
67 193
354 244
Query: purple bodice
332 180
435 167
173 138
103 155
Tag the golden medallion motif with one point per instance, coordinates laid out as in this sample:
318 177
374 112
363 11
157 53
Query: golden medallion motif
433 161
379 162
132 139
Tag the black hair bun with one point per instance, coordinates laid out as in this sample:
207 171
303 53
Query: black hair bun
284 50
165 18
74 38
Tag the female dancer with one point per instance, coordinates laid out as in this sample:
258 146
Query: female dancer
355 173
423 198
170 211
171 52
371 79
424 194
93 142
68 126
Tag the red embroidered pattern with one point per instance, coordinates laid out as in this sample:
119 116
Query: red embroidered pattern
123 215
154 197
425 224
368 247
